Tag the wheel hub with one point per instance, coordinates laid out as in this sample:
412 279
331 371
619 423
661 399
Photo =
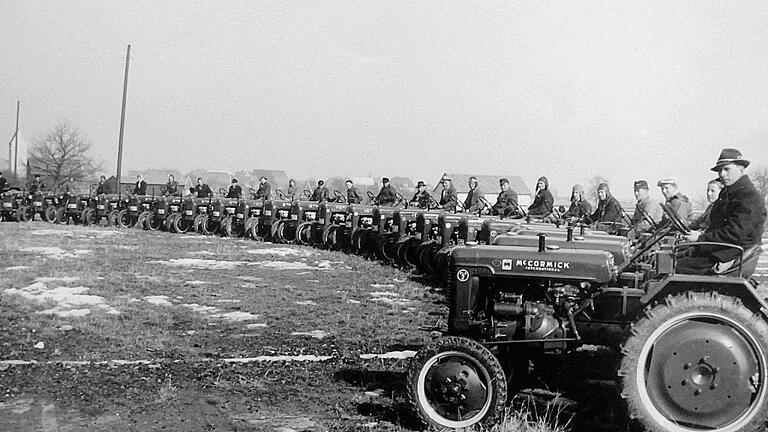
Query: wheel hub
456 389
702 373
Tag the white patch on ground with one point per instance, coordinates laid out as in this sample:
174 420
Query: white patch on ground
303 273
216 313
149 278
228 301
280 251
313 280
159 300
391 301
56 253
352 301
255 326
200 264
236 316
69 301
199 253
389 355
306 303
383 294
285 265
196 282
382 286
126 247
98 232
47 232
17 268
64 279
317 334
279 358
201 308
325 264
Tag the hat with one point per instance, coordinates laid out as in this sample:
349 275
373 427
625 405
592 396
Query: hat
604 186
263 178
234 180
503 181
38 175
420 184
641 184
727 156
385 179
320 182
666 181
348 181
446 179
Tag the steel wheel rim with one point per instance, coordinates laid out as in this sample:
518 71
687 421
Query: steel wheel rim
424 399
644 359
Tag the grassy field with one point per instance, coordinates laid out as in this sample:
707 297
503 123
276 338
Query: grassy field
125 330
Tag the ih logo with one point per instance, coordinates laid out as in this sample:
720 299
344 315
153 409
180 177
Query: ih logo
506 264
462 275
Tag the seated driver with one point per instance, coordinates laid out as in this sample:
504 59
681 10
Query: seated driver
736 218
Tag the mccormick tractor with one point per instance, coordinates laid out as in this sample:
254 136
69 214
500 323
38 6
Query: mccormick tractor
298 228
248 211
333 219
263 227
694 348
13 203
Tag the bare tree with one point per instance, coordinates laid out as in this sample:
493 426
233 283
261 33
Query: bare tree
760 179
592 184
62 154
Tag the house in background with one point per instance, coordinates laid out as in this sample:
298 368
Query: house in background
488 184
278 179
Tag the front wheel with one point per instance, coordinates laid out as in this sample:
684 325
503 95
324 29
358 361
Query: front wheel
27 213
61 216
456 383
304 233
153 223
697 362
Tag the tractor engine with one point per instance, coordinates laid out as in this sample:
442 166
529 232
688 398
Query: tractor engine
511 294
514 316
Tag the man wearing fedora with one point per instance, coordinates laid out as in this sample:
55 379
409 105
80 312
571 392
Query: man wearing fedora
506 203
737 218
421 199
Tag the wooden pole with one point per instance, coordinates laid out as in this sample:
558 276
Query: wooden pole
16 154
122 123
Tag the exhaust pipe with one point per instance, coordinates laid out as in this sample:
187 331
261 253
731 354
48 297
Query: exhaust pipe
542 242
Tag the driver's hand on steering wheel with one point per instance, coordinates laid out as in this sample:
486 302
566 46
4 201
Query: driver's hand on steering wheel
693 236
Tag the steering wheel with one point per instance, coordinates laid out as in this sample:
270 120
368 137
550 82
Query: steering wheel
400 201
306 194
433 203
675 218
486 205
222 192
340 198
371 198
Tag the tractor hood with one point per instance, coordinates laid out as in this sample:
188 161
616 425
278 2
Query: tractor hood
617 246
524 262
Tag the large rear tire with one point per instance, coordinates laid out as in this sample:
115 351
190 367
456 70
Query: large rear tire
697 362
27 213
153 223
112 217
124 219
456 383
50 214
209 225
61 216
181 225
304 233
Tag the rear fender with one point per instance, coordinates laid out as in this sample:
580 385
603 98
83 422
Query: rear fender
737 287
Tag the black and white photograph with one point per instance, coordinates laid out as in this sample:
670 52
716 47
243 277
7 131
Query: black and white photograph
308 216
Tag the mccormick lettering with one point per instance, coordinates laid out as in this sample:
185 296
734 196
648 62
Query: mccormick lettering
543 265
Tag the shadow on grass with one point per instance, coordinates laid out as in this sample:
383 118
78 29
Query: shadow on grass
392 406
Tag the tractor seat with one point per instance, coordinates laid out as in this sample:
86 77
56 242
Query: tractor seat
748 266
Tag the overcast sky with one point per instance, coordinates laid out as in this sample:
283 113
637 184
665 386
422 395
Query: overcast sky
563 89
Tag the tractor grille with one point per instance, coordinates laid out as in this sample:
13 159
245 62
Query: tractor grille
450 294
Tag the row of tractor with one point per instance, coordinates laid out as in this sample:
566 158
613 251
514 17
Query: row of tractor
694 348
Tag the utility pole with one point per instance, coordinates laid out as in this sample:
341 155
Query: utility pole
122 123
16 154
